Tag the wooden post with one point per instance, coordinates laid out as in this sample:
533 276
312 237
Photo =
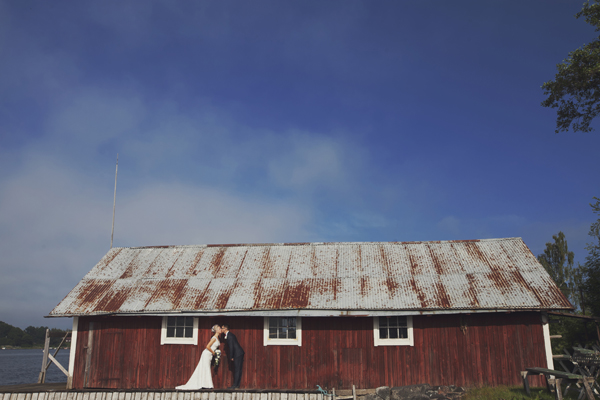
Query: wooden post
557 389
353 392
42 377
525 382
333 391
88 359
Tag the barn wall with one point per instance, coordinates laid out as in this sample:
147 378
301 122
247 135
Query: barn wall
336 352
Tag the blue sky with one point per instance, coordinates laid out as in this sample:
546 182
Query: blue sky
278 121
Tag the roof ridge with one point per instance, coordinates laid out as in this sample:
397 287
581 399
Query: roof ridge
315 243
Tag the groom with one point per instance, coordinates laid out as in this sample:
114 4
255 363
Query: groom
235 354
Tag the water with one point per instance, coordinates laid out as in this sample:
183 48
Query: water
23 366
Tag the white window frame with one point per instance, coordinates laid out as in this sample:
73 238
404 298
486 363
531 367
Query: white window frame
409 341
175 340
282 342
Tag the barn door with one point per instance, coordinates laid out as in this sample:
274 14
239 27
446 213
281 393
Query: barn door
104 356
110 358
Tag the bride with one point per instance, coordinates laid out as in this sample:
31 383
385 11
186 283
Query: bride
202 378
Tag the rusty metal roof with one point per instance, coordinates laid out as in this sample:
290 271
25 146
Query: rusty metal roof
317 279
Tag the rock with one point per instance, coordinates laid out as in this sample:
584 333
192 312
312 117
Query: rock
439 396
444 389
383 392
412 392
372 396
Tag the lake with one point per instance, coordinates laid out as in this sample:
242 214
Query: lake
23 366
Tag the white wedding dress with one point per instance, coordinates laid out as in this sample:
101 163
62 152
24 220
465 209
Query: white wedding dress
202 378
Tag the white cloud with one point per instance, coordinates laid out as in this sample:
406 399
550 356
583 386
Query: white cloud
92 116
55 226
308 162
165 213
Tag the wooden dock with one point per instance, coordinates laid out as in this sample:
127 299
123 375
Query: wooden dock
55 391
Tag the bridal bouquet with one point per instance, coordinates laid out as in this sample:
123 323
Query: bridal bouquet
217 357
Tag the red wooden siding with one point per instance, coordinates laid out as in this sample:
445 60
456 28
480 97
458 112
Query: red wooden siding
335 352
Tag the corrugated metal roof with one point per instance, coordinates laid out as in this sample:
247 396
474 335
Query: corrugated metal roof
446 276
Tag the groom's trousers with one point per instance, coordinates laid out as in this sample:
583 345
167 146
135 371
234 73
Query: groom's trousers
237 370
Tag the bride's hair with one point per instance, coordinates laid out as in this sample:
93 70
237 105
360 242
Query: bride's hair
214 328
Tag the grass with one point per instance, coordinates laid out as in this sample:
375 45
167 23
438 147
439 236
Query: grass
512 393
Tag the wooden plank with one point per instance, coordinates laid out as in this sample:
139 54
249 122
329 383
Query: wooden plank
88 359
55 361
42 376
554 372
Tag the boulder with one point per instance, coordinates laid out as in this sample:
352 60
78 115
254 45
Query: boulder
412 392
383 392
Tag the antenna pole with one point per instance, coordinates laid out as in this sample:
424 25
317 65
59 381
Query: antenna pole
114 203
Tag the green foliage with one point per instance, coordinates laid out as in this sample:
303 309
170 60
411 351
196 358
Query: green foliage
512 393
575 88
558 262
574 332
592 264
30 337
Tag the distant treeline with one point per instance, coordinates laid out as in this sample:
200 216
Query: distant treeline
30 337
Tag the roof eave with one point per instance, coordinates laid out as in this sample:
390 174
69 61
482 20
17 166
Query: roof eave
311 313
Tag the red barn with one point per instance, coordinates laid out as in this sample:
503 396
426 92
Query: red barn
332 314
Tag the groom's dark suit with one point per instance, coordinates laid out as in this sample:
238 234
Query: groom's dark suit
235 353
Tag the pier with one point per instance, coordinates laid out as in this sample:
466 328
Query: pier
58 391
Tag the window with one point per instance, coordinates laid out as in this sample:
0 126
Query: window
179 330
283 331
393 331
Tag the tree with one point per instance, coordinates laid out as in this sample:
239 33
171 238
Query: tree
31 336
558 262
592 264
575 90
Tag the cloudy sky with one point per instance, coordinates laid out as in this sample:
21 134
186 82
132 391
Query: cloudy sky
278 121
